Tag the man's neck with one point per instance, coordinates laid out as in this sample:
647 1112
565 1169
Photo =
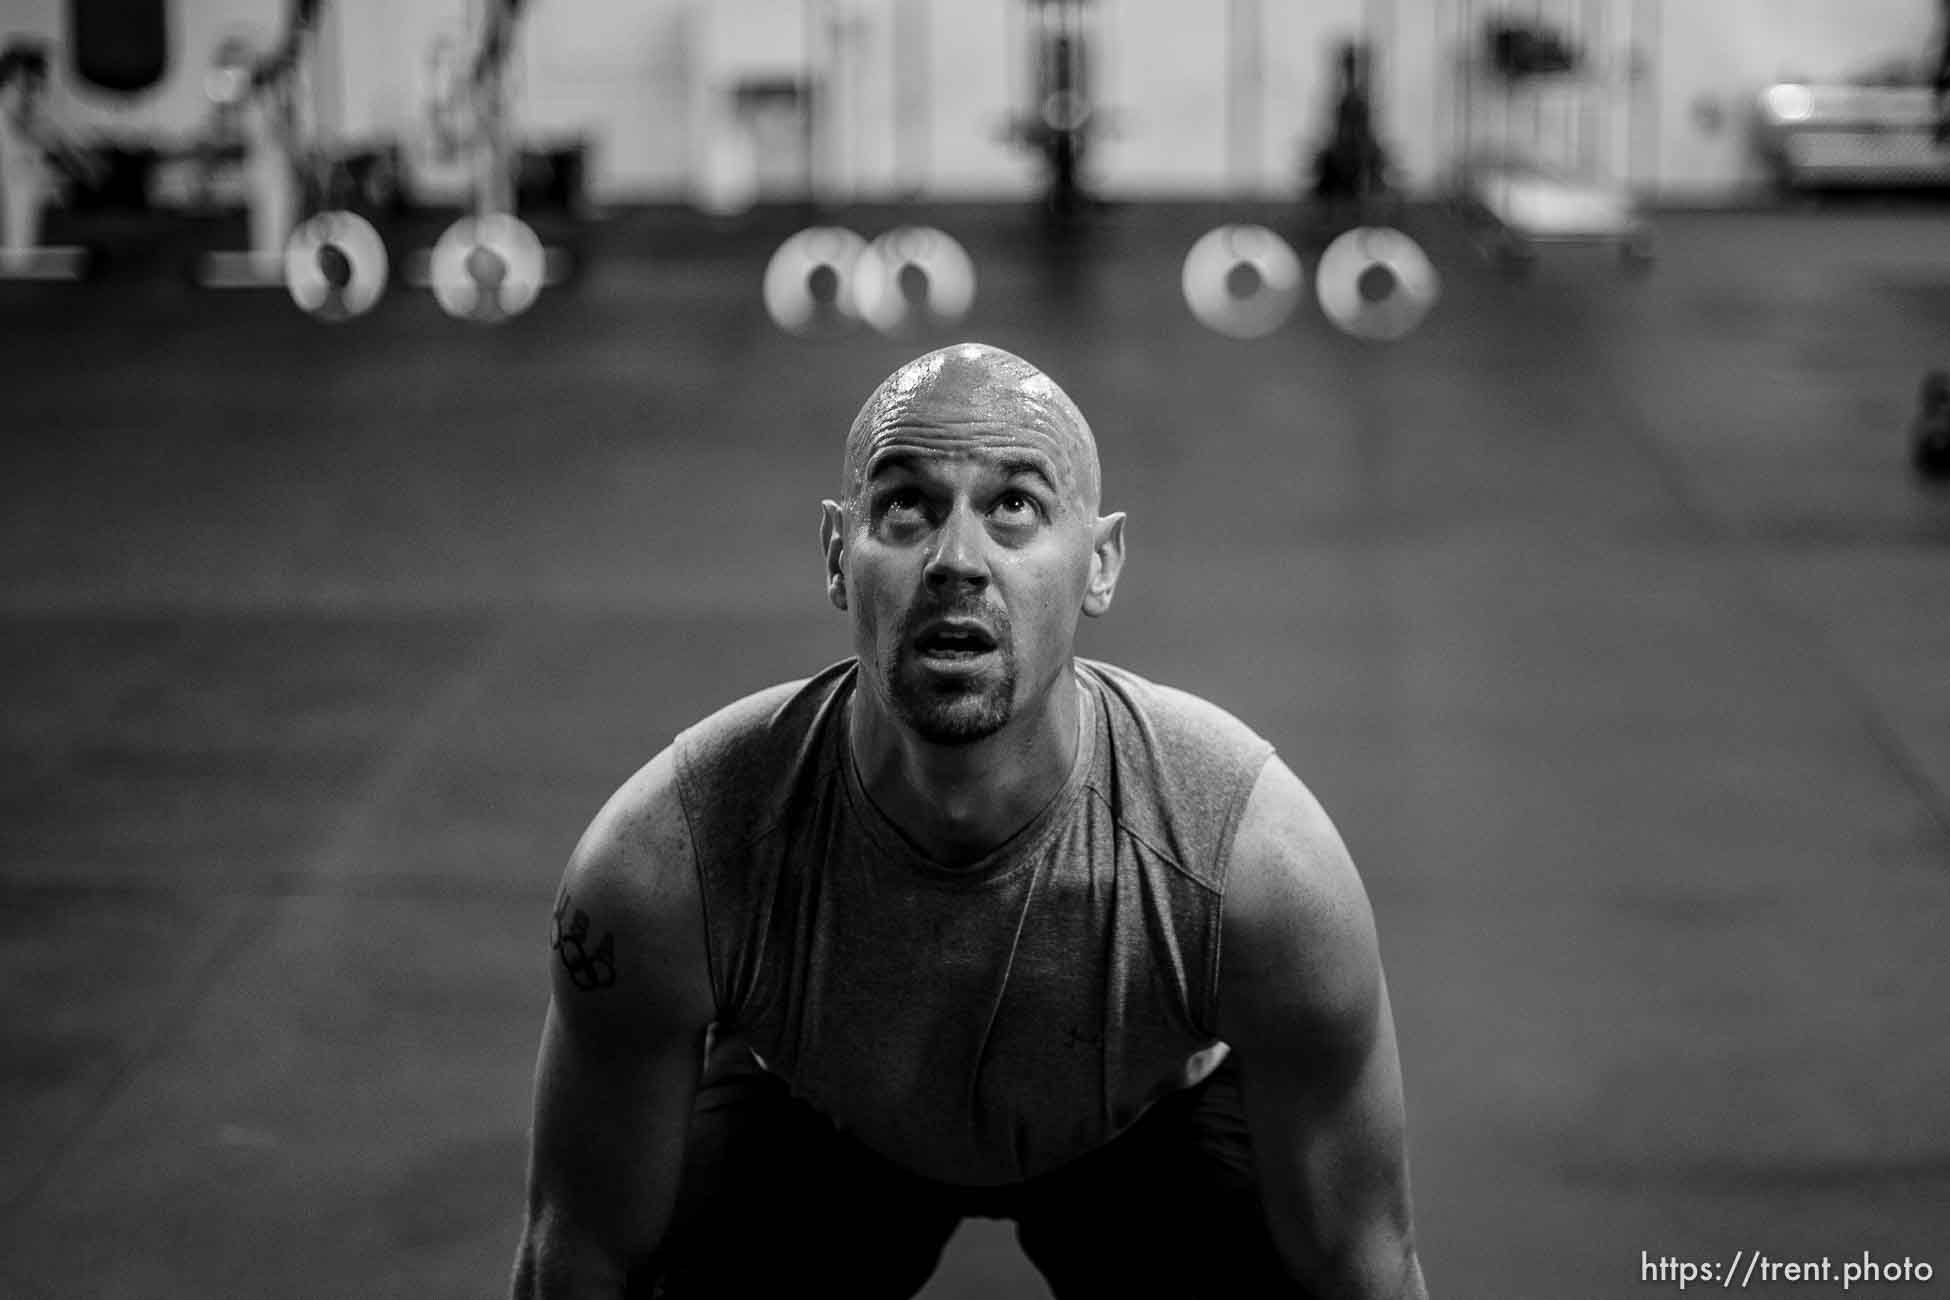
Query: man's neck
959 803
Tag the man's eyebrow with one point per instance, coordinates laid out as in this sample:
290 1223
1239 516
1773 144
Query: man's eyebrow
889 462
1024 467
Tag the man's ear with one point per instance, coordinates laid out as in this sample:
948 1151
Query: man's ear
1106 563
832 540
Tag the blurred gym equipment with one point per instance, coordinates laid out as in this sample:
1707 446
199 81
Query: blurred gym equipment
1350 170
913 277
1376 283
487 268
120 47
1886 127
1372 280
489 265
1830 136
808 284
1242 280
1930 431
335 265
1537 108
253 99
825 280
328 258
1063 115
36 160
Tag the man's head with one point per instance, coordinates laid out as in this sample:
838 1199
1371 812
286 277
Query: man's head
967 540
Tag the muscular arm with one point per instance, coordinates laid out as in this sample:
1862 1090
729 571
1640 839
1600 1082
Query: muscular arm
621 1048
1305 1009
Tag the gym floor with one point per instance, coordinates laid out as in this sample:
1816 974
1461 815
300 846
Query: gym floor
1604 613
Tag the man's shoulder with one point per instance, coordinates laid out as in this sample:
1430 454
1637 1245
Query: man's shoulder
738 766
1180 768
718 780
1176 721
657 790
785 709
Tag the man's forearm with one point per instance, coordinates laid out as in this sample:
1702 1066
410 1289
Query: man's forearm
1378 1262
556 1263
1388 1270
1411 1285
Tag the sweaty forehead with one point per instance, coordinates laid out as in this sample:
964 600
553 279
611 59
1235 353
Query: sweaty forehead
972 399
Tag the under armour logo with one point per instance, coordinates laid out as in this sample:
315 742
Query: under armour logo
587 969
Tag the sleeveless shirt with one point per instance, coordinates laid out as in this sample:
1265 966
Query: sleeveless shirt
977 1025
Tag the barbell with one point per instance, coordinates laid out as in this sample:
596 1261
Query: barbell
827 280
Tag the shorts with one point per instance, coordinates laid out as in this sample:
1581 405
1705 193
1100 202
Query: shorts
775 1201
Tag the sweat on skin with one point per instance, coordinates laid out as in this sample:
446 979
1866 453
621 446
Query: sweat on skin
974 396
970 487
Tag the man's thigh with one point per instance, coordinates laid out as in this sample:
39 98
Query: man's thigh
774 1201
1171 1207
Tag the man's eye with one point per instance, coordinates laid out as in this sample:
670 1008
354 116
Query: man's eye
900 501
1016 503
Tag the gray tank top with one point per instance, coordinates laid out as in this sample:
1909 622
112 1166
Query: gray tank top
984 1024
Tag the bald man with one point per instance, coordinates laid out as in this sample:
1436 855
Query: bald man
966 926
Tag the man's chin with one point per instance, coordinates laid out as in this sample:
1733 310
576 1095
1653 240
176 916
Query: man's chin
953 708
960 727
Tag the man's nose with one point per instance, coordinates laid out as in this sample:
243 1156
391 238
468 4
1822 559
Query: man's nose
960 551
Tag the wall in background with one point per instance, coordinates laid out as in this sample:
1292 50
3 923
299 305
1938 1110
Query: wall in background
1203 98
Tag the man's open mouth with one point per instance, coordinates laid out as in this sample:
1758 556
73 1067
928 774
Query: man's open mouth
952 641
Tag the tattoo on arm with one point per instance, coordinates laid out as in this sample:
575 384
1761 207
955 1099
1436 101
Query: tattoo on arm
589 968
